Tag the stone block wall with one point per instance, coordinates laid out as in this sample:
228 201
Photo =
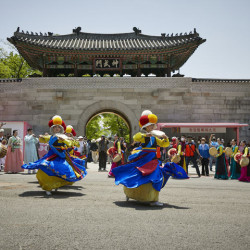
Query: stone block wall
36 100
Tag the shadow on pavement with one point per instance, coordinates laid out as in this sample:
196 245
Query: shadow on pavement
55 195
145 206
71 187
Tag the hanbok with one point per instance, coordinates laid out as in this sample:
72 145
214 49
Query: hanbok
143 176
245 171
57 168
114 152
30 152
14 157
235 168
221 171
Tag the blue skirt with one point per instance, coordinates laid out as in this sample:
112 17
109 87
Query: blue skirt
70 169
131 175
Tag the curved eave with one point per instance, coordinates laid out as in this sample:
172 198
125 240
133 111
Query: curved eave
97 50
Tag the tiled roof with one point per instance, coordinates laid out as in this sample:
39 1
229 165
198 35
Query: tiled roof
92 41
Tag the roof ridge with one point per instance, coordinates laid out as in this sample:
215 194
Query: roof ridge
114 36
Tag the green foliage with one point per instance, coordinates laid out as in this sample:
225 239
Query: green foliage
86 75
93 129
61 75
5 71
107 124
13 65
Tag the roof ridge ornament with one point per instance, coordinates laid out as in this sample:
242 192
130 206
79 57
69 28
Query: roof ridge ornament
50 33
77 30
136 30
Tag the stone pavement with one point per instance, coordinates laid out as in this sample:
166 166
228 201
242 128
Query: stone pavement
199 213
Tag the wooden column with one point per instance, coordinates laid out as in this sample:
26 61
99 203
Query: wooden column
45 71
138 71
168 71
75 71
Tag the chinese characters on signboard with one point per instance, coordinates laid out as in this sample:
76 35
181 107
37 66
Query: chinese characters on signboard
107 64
203 130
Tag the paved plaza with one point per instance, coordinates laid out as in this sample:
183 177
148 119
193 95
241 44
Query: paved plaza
198 213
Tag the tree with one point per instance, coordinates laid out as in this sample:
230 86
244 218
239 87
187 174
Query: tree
107 124
93 129
5 71
13 65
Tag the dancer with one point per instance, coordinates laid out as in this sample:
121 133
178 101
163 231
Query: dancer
71 133
57 168
143 177
116 155
180 152
245 168
14 157
235 168
220 167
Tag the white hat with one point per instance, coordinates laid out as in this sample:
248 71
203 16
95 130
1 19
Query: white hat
1 130
80 137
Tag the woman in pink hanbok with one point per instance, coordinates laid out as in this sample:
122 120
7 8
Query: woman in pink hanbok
14 157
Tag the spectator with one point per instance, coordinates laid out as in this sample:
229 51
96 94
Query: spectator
89 151
103 147
14 157
30 153
94 150
3 140
204 153
212 143
191 154
111 143
2 137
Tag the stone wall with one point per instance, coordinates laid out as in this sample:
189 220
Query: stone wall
36 100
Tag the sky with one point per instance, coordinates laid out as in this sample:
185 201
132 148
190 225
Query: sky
223 23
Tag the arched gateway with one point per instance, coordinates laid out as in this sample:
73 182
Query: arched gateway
108 106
